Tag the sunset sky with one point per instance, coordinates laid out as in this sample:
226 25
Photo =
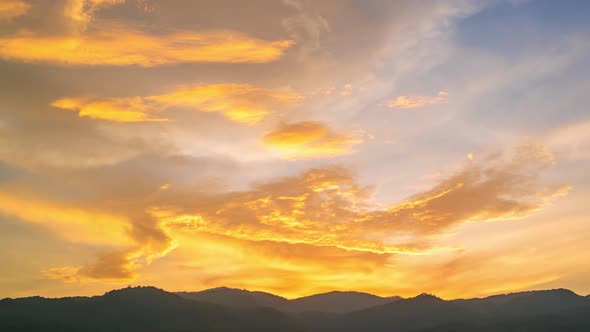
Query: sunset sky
294 147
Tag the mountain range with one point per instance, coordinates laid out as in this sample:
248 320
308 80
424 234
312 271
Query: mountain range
332 302
150 309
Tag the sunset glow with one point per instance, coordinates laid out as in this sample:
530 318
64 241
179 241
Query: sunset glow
297 147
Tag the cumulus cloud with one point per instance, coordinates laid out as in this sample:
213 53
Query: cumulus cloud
306 140
241 103
418 101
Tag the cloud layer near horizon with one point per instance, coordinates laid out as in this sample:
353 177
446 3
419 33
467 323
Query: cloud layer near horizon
322 208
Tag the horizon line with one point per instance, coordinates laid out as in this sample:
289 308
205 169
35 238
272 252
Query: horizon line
305 296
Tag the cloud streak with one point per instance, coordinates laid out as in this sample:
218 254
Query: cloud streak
240 103
116 110
308 140
74 224
408 102
120 46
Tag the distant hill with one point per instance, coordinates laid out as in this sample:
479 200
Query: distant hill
524 303
338 302
148 309
541 311
421 312
144 309
240 298
332 302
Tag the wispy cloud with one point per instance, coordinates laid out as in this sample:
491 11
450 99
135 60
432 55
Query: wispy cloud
117 110
80 12
418 101
124 47
72 223
67 274
241 103
306 140
238 102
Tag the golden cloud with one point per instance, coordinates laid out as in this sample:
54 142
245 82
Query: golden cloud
241 103
10 9
319 227
418 101
117 110
111 266
71 223
136 238
124 47
325 207
68 274
306 140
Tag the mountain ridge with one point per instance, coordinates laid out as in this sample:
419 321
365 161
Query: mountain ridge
150 309
331 302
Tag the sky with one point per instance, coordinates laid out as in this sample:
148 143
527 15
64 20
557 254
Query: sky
294 147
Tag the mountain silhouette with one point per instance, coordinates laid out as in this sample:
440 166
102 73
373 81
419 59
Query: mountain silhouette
136 309
331 302
338 302
239 298
149 309
553 310
538 302
421 312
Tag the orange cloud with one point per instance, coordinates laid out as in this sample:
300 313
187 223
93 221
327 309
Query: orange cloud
111 266
117 110
238 102
70 223
114 266
319 230
68 274
10 9
124 47
265 243
325 207
241 103
418 101
306 140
